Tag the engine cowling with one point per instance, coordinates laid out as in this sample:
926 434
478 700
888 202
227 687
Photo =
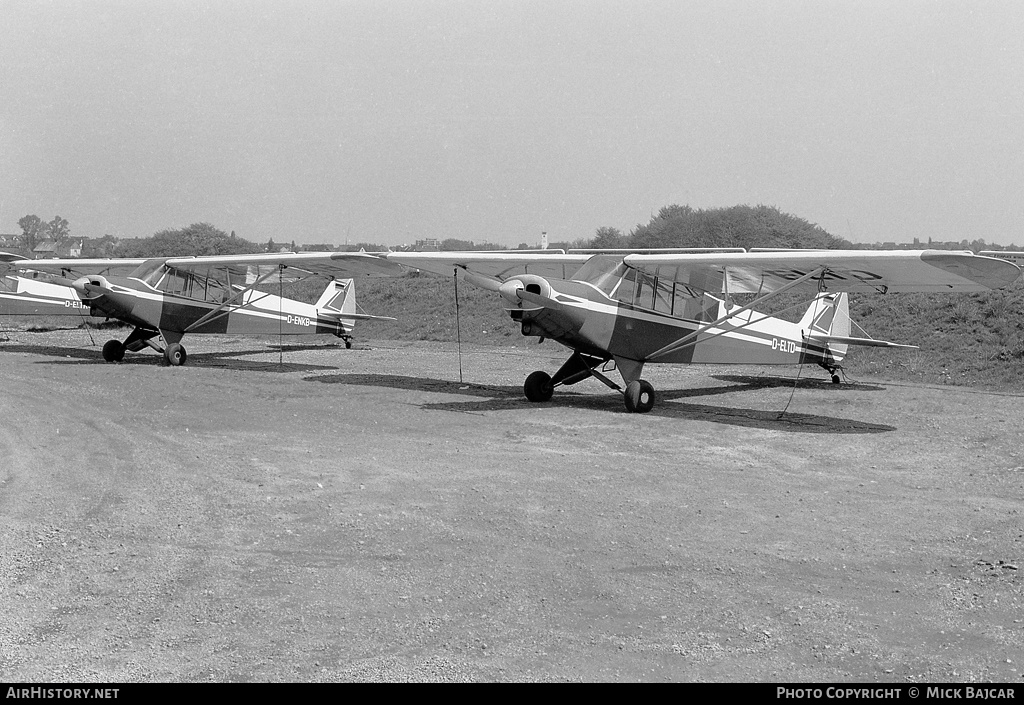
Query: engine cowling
511 288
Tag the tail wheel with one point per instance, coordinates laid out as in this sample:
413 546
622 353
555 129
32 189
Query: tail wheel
835 379
538 387
639 397
113 351
175 354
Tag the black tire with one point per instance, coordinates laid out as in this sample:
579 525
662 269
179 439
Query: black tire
835 379
175 355
113 351
538 387
348 344
639 397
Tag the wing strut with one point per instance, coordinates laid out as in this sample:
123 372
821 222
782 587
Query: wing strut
686 340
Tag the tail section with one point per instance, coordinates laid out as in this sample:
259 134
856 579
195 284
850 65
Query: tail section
828 319
338 297
339 302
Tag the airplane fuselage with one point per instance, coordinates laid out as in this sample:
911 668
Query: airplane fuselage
138 304
587 320
25 296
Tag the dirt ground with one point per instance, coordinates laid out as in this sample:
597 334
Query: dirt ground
361 515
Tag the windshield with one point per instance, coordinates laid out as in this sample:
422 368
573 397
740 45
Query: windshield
603 272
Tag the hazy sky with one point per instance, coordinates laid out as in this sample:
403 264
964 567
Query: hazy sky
389 121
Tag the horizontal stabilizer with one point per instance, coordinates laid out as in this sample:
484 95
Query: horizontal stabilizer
847 340
338 315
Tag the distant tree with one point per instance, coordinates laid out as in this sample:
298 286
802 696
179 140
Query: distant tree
196 239
608 239
58 228
271 247
736 226
454 245
33 229
100 247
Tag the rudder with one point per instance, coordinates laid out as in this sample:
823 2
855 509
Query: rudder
829 314
338 297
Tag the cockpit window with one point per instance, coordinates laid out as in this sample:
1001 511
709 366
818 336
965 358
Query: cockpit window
603 272
637 288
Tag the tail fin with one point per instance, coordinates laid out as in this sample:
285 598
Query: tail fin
338 297
828 315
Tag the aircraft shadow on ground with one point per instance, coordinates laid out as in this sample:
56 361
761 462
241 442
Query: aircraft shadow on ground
221 360
768 382
510 398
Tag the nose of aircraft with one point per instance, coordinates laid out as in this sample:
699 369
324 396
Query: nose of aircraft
90 287
510 289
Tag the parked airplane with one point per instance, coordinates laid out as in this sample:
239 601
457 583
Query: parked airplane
166 298
629 309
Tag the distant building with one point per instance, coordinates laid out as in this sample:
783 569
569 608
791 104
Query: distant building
46 249
429 244
51 249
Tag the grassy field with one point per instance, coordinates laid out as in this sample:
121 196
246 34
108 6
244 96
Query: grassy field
965 339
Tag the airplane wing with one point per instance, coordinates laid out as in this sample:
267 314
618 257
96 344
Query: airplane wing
756 271
340 265
71 268
840 270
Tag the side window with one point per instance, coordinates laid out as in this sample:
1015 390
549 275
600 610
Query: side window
644 296
687 303
663 295
626 288
177 282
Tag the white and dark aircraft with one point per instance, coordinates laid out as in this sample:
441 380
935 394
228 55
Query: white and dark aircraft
165 299
628 309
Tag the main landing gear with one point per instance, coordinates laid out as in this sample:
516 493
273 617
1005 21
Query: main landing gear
114 350
638 395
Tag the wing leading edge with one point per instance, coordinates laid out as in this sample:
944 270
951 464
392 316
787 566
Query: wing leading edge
754 271
842 270
340 265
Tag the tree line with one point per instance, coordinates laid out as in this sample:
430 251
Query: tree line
674 226
35 230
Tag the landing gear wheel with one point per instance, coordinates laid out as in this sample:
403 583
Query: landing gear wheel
835 379
175 355
113 351
348 344
639 397
538 387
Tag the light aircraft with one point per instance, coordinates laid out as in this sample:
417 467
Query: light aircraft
167 298
631 308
